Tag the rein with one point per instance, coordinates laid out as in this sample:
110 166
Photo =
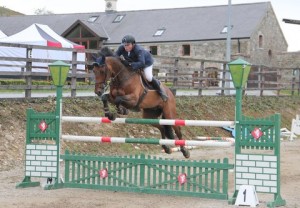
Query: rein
121 80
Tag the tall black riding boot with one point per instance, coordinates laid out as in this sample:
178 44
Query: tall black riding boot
159 89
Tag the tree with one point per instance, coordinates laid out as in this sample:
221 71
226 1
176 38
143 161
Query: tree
42 11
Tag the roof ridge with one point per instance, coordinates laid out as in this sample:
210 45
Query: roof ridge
206 6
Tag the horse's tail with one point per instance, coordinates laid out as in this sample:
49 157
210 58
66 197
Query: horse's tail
168 130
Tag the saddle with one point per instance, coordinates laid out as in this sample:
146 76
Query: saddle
146 84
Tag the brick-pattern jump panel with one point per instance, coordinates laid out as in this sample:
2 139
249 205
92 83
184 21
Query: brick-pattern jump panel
41 160
257 170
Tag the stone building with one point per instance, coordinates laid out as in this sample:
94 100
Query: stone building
193 32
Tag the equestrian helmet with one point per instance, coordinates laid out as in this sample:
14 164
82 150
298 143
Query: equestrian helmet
128 39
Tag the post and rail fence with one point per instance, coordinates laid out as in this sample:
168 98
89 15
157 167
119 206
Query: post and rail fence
178 73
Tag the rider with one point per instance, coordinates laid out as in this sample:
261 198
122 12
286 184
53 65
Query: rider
136 57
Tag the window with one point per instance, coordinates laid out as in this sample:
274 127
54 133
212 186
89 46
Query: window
225 28
92 18
85 33
270 53
260 41
153 50
186 50
159 32
118 18
74 33
93 44
79 32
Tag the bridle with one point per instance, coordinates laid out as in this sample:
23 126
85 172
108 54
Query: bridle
115 80
102 85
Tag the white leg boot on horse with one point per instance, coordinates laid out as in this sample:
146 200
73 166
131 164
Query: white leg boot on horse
159 89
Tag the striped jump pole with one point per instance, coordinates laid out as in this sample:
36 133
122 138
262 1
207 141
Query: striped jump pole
100 139
214 139
170 122
227 139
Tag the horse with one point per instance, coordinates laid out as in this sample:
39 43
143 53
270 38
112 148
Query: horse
126 90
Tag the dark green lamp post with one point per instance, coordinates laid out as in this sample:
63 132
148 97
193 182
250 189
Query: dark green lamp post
239 70
59 71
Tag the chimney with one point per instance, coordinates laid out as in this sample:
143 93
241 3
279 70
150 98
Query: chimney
110 5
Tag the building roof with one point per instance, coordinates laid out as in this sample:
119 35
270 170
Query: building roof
179 24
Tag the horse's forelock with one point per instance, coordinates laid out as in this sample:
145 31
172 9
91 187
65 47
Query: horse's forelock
94 57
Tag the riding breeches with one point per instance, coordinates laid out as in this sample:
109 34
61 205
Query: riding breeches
148 73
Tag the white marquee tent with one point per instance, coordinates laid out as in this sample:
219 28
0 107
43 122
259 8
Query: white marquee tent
41 35
2 35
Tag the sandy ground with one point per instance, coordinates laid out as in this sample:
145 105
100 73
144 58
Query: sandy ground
37 197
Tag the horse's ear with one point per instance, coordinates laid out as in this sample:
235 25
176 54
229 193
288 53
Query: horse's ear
94 57
100 61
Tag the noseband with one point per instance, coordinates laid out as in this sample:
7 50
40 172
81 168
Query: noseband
102 85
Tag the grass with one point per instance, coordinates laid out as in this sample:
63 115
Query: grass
289 92
13 116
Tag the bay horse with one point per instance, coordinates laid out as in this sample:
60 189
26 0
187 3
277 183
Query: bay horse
127 90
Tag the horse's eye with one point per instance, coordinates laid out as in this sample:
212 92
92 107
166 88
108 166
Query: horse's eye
102 72
98 72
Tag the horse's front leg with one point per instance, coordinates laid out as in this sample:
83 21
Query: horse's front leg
105 98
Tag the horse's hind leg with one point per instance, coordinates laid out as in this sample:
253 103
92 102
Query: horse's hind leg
164 131
148 113
185 152
169 134
169 112
121 110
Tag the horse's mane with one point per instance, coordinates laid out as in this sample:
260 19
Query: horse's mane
105 51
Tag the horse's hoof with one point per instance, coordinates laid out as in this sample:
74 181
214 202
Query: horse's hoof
122 111
111 116
126 111
167 150
186 153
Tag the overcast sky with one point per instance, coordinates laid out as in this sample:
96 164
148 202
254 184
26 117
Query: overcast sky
283 9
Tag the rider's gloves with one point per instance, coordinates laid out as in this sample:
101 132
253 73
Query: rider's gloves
126 63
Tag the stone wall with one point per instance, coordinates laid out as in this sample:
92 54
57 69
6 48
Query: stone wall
273 41
271 53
